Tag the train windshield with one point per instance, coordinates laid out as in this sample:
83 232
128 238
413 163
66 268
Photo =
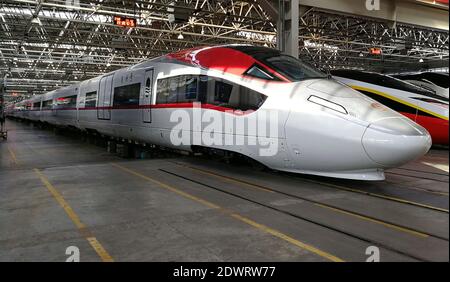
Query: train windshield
287 66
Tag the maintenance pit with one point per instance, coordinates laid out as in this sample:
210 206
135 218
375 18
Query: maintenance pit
58 192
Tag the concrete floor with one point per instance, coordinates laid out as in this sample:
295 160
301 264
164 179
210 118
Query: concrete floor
57 192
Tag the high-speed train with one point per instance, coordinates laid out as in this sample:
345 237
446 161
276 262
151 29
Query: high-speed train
318 126
420 105
435 82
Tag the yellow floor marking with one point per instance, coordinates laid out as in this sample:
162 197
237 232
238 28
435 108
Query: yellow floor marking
442 167
403 229
376 195
227 178
248 221
393 226
13 155
102 253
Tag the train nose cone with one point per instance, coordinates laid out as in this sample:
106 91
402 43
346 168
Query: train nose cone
392 142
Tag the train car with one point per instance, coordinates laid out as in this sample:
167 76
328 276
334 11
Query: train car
420 105
435 82
245 100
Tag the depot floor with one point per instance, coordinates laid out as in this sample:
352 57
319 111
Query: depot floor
57 192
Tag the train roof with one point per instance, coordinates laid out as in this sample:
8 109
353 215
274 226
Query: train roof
440 79
386 81
261 62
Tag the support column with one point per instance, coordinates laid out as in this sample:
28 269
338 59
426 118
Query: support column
287 27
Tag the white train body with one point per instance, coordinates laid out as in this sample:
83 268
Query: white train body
322 127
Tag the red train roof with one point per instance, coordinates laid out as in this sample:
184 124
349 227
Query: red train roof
222 58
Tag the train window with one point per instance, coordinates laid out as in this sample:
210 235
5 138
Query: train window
260 72
182 89
222 93
47 105
207 90
66 102
37 106
127 95
162 91
290 67
191 89
237 97
90 100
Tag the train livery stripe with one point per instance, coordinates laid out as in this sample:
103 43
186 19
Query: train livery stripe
157 106
398 100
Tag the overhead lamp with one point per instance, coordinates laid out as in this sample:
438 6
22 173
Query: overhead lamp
361 54
108 64
181 37
421 60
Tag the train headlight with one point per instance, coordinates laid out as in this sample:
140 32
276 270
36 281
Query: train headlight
327 104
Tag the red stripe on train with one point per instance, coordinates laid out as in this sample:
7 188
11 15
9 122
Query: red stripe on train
159 106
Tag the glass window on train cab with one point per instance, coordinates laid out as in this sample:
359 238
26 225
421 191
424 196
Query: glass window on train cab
237 97
180 89
207 90
90 100
47 105
37 106
127 95
66 102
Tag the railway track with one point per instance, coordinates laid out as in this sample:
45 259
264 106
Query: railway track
391 225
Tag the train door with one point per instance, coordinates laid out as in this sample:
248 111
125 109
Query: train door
104 98
147 96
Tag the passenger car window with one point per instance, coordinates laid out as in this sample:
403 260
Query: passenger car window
208 90
127 95
90 100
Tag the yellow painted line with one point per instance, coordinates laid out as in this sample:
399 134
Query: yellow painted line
13 155
234 215
102 253
398 100
287 238
376 195
99 249
227 178
389 225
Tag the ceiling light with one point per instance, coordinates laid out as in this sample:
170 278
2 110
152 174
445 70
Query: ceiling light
421 60
361 54
181 37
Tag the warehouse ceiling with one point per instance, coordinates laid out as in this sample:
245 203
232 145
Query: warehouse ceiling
48 44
